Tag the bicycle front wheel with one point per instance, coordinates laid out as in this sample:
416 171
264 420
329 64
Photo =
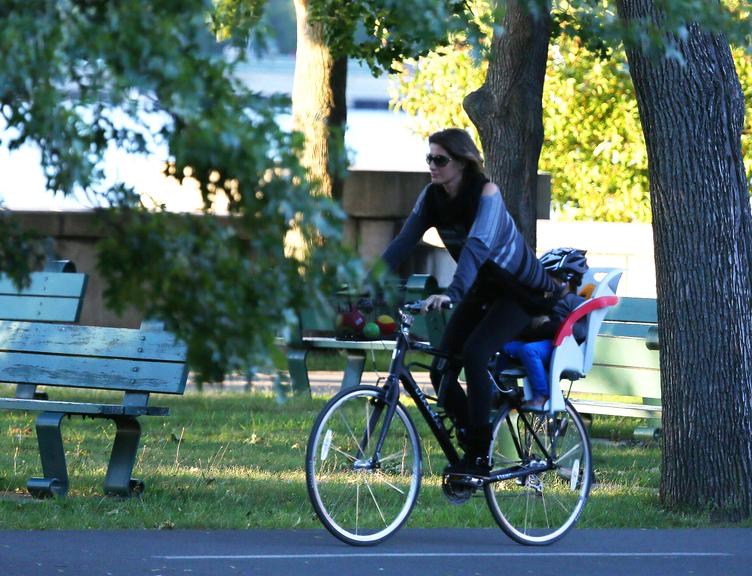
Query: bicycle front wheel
360 496
541 507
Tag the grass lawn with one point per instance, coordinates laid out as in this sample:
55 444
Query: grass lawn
236 460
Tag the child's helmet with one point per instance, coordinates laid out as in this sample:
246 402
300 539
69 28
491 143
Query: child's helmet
565 263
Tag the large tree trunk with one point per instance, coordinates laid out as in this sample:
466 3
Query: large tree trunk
507 110
692 116
318 104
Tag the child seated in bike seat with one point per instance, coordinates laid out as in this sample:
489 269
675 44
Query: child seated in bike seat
535 346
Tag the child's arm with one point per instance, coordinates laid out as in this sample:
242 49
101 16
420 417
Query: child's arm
579 330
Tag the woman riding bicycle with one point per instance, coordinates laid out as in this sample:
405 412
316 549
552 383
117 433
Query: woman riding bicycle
498 286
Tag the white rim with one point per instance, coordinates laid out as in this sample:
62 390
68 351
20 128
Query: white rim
414 483
576 510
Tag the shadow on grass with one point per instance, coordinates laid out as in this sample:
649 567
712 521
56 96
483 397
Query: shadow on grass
236 460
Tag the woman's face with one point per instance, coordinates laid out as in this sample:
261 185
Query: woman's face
450 173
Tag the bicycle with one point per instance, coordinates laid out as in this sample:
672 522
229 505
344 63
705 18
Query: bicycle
364 458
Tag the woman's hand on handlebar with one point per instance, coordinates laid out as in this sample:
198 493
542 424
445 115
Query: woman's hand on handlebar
436 302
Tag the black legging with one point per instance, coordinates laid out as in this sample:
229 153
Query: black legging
487 318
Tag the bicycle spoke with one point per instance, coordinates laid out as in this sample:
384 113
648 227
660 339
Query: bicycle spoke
393 487
334 508
527 509
545 511
343 417
393 456
567 453
548 502
358 500
368 485
345 454
357 506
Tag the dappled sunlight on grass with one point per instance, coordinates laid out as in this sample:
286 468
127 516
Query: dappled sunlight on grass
236 460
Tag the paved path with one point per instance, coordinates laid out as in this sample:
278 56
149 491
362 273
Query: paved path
411 552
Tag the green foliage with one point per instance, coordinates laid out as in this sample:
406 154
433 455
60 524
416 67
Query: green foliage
20 250
377 32
431 89
594 146
238 22
381 32
743 61
79 77
596 24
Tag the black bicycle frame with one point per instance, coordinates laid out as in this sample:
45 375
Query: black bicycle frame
399 373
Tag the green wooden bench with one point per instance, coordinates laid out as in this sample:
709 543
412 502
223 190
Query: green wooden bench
38 349
625 364
316 332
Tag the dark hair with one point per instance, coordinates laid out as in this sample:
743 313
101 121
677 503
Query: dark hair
460 146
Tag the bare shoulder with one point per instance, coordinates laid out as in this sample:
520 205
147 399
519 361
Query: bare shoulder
489 189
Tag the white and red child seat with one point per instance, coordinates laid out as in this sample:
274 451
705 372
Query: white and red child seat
571 360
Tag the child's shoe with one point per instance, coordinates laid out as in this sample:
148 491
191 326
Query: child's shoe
537 404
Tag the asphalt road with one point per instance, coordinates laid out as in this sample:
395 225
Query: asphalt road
411 552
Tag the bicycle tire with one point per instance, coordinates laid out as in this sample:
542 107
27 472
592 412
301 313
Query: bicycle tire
358 504
540 508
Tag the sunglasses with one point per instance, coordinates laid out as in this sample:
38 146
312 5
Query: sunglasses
439 160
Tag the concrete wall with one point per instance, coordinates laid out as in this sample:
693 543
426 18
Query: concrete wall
377 204
75 235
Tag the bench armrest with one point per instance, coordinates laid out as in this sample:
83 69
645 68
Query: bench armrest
583 310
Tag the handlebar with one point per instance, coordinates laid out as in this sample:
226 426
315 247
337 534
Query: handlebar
417 306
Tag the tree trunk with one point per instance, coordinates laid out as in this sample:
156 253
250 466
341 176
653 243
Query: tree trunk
318 104
507 111
692 116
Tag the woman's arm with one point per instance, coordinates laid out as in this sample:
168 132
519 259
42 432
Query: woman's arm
412 231
478 244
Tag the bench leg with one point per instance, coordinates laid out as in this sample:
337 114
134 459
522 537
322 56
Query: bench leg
356 361
296 364
52 454
118 481
652 428
30 391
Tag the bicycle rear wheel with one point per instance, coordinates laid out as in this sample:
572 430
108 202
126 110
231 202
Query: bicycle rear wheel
360 497
541 507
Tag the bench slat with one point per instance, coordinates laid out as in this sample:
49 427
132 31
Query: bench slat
617 409
86 372
45 309
626 352
327 342
81 408
90 341
619 381
66 285
634 310
625 329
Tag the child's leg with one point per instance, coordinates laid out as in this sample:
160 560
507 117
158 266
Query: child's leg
535 357
509 351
